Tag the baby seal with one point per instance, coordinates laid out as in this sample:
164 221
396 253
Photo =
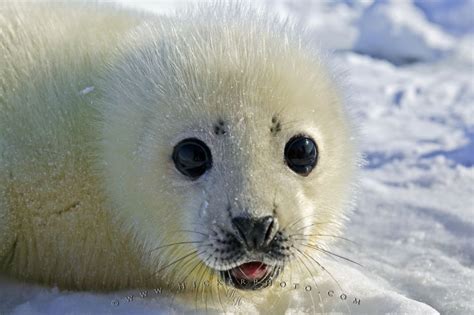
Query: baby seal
138 150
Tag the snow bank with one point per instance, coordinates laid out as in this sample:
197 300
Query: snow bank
455 16
337 33
399 32
357 294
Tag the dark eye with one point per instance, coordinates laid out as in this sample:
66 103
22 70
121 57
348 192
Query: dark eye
301 154
192 157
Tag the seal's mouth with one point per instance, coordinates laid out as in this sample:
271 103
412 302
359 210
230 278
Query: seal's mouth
252 271
250 276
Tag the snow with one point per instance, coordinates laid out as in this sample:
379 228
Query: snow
398 31
455 17
414 221
415 212
334 33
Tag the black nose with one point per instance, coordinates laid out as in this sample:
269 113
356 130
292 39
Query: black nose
256 232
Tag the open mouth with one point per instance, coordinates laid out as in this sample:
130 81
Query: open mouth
250 276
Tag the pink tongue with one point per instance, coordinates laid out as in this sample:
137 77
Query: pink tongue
250 271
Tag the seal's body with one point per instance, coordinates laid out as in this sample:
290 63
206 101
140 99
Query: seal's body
54 224
134 150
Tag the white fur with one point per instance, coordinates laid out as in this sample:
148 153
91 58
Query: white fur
93 101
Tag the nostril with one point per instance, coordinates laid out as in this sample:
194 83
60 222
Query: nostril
255 232
271 227
241 224
269 233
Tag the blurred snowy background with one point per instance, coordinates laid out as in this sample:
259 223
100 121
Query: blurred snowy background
410 68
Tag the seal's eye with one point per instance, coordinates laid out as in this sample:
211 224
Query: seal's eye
301 154
192 157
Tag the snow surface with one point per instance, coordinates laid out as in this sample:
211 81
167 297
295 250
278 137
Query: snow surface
414 221
398 31
455 17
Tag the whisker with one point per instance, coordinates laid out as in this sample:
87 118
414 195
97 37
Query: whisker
176 261
281 109
302 218
296 221
330 275
224 310
300 261
197 223
177 243
192 269
213 274
314 224
201 285
331 253
198 263
266 276
198 286
229 276
192 232
211 278
188 273
291 122
291 273
324 235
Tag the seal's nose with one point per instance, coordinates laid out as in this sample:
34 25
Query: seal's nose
256 232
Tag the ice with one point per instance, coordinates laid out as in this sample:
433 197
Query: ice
414 220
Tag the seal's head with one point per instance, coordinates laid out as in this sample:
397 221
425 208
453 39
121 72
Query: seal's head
225 145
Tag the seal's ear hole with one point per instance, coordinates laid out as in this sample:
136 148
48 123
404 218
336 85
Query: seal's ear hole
301 154
192 157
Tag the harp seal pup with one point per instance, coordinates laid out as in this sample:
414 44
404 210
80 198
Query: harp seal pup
138 151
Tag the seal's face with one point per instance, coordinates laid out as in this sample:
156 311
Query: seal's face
246 246
223 162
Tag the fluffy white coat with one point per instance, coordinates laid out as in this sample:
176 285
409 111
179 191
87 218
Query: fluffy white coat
92 101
